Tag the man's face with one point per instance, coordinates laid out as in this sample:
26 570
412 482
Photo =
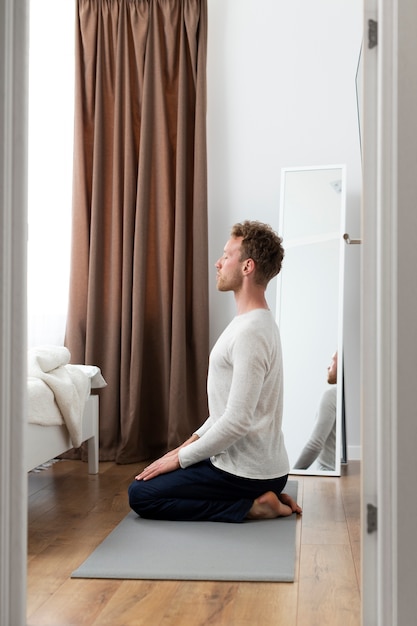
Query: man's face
229 267
332 370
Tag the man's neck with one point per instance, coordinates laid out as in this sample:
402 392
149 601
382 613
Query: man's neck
246 302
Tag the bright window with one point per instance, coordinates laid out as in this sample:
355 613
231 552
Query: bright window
51 105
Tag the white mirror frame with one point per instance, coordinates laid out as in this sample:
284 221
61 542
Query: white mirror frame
311 332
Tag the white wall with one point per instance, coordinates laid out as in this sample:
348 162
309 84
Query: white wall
281 93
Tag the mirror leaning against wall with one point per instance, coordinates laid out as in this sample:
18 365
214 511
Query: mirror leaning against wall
310 316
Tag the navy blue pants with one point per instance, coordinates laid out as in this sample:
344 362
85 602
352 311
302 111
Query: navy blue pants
199 492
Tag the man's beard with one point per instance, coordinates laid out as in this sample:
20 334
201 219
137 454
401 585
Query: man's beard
233 284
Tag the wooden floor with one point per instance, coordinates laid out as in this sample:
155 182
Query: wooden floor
70 513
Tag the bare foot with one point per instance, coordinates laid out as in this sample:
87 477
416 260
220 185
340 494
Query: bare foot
286 499
268 506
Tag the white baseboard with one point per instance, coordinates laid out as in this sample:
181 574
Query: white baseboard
354 453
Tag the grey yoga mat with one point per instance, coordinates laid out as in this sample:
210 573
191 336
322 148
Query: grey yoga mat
138 548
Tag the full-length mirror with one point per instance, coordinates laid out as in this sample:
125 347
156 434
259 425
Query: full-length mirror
310 315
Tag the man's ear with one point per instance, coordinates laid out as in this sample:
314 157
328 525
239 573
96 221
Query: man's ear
249 266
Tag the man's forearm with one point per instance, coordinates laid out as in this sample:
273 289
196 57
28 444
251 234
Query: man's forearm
191 439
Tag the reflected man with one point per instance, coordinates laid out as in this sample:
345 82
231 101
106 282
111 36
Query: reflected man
322 442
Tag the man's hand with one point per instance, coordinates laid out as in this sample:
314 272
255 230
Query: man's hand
168 463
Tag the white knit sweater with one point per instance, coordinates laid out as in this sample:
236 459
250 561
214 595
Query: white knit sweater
243 434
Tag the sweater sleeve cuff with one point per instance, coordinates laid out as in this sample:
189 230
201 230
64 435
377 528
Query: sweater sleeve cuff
182 462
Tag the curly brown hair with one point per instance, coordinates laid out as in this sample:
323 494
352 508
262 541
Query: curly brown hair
263 245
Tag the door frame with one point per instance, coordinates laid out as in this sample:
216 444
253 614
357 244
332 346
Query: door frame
13 241
389 314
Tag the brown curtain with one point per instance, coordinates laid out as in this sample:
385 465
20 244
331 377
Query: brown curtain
138 292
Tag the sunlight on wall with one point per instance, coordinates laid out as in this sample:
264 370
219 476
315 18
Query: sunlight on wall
51 97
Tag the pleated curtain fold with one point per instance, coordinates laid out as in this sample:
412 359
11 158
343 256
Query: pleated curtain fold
138 304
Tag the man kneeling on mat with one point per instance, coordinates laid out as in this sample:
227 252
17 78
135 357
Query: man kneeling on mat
235 466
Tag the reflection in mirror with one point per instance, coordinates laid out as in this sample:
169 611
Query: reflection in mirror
310 315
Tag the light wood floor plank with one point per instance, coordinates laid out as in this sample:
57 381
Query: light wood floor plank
71 512
328 588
